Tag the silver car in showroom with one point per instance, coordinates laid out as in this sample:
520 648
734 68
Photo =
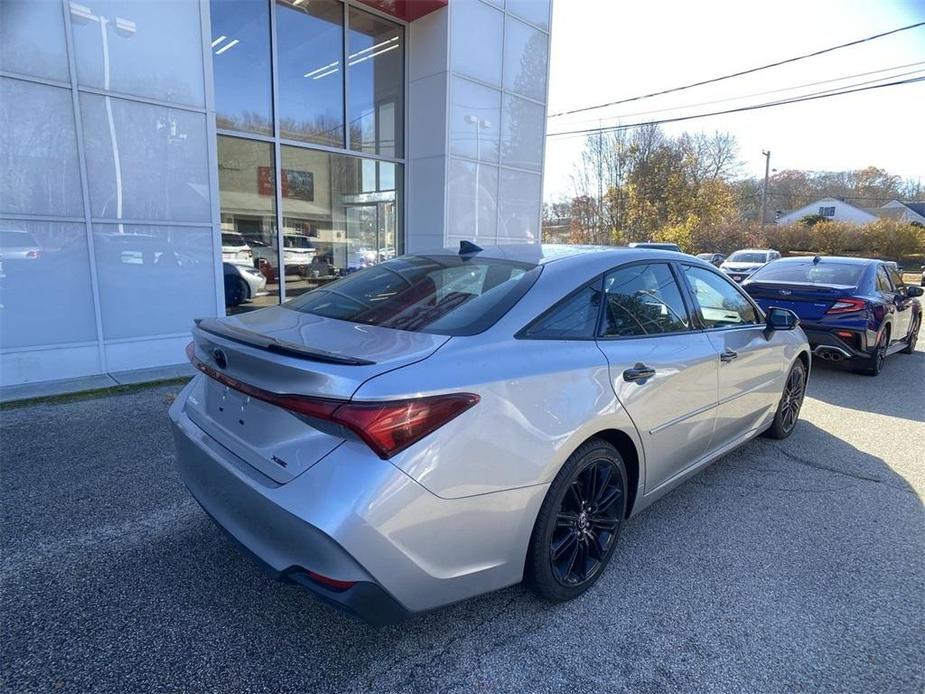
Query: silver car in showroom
445 424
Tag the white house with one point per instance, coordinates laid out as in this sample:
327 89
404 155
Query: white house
832 209
907 211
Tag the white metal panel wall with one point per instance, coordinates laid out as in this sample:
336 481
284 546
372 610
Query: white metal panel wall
478 76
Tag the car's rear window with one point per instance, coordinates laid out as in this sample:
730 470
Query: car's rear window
446 295
842 274
748 257
233 240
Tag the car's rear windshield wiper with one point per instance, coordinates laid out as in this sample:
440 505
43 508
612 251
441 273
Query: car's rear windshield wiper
272 344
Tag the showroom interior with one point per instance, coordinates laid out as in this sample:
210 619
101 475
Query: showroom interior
169 160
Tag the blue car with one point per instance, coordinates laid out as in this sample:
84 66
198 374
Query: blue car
852 309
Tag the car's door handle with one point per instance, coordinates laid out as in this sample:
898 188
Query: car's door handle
728 355
640 372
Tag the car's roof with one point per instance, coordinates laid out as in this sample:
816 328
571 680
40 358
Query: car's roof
753 250
543 254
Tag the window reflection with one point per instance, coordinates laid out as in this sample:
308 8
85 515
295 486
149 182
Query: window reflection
247 191
241 65
39 173
153 279
339 215
45 296
119 45
149 164
310 38
375 62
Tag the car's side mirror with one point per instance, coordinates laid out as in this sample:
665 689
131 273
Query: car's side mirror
912 290
781 319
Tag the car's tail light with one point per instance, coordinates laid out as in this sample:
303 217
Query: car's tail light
387 427
32 255
847 306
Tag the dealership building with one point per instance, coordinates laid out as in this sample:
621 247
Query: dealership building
164 160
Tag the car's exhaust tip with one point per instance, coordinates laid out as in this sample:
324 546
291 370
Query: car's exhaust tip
834 354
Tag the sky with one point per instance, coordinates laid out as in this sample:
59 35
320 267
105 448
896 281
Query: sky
605 50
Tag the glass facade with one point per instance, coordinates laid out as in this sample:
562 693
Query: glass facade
312 189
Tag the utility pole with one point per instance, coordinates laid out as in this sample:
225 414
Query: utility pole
764 191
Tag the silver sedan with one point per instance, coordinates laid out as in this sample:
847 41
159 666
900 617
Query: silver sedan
449 423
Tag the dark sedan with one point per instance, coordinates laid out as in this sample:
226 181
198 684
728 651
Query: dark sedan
852 309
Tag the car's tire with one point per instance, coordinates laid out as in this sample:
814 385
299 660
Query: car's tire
791 400
236 291
873 365
579 523
913 336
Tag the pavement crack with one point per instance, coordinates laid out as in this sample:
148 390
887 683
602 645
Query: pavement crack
827 468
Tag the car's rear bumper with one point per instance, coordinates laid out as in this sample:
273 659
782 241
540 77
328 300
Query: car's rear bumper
355 518
823 341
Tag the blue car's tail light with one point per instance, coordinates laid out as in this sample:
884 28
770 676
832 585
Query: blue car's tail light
847 305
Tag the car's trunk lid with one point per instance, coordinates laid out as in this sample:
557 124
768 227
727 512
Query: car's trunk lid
287 352
809 301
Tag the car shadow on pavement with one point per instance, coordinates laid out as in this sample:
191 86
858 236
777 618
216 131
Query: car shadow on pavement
902 379
787 565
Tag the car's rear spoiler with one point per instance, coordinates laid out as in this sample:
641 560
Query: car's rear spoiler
272 344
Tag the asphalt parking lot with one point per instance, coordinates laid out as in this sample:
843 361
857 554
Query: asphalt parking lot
795 565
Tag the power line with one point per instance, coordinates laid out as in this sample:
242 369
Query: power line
741 72
765 93
810 97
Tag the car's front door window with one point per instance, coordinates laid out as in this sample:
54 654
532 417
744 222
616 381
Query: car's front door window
719 302
643 300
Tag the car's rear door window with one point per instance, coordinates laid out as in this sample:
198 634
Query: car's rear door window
643 299
446 295
720 303
573 318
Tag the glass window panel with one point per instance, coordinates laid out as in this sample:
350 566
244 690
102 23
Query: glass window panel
241 65
720 303
154 49
472 201
573 318
476 40
32 39
45 294
39 172
643 300
523 133
347 218
534 11
519 206
375 61
475 115
247 194
151 161
525 58
310 44
153 280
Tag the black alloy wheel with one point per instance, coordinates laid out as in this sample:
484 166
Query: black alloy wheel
579 523
587 523
913 336
791 400
874 364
